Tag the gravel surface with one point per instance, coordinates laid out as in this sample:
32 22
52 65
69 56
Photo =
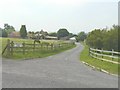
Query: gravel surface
63 70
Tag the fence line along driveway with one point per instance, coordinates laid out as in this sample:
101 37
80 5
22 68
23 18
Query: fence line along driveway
101 54
63 70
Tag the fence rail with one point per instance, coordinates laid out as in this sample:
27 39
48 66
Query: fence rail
109 56
13 47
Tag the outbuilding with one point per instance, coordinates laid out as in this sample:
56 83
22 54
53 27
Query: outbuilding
73 39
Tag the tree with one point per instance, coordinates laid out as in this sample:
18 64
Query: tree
104 39
4 33
110 40
37 32
45 33
29 32
71 35
95 38
23 31
62 33
81 36
0 32
32 32
53 34
8 28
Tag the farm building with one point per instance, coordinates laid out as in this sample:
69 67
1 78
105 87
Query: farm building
73 39
51 38
64 38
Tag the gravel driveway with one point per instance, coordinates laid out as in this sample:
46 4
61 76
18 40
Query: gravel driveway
63 70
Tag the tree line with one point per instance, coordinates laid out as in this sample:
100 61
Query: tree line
61 33
107 39
8 29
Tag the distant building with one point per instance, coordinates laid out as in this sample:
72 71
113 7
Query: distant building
64 38
14 34
73 39
50 38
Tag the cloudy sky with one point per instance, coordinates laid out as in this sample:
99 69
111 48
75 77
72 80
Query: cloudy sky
51 15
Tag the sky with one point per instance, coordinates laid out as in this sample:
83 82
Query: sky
51 15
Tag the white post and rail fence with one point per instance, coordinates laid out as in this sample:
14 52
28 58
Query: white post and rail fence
104 55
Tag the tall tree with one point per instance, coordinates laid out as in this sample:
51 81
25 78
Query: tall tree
81 36
8 28
23 31
62 33
4 33
0 32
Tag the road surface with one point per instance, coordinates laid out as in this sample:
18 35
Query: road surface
63 70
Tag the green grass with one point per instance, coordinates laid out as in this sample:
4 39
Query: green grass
109 58
110 67
40 53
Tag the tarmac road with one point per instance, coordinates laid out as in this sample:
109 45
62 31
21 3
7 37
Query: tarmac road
63 70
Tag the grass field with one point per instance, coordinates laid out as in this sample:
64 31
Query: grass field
110 67
36 54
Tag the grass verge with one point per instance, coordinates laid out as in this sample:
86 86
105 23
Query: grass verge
110 67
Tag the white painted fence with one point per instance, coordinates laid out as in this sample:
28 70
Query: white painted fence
100 54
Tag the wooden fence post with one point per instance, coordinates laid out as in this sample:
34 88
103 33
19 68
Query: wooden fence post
47 46
59 45
102 52
41 46
34 45
89 51
112 53
52 46
96 52
23 47
8 47
12 46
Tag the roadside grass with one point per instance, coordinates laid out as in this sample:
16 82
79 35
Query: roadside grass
110 67
40 53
